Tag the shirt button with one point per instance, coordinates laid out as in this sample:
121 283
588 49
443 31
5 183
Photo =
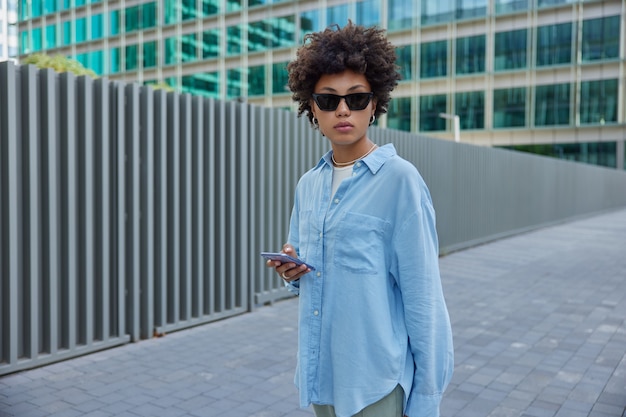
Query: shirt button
336 201
358 164
321 234
316 313
319 274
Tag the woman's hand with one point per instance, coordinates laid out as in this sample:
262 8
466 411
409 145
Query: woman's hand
288 271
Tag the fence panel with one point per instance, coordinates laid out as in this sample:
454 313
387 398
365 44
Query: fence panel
127 212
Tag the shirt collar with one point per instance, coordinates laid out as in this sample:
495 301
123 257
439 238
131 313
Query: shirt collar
373 161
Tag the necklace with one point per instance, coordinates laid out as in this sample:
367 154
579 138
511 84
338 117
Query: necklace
345 164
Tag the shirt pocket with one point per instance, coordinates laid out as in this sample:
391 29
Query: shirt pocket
360 244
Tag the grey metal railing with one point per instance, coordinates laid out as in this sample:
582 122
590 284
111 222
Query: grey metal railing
126 212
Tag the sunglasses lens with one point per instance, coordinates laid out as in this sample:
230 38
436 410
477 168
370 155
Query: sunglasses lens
327 102
358 101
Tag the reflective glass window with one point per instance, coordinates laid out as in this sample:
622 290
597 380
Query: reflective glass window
368 12
233 5
256 81
171 51
280 78
601 38
36 40
466 9
470 54
188 47
257 36
130 58
24 9
205 84
132 19
97 30
598 101
24 42
508 6
210 7
96 62
36 8
81 29
554 44
51 37
211 44
399 114
150 54
66 4
403 14
170 12
510 50
233 39
188 9
470 107
233 83
283 31
50 6
148 15
337 15
78 3
114 22
67 33
405 62
434 59
83 59
552 105
439 11
114 60
309 22
548 3
430 108
509 107
597 153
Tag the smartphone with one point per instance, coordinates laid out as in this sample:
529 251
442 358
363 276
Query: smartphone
284 258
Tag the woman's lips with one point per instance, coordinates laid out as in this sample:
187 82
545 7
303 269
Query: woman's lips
343 127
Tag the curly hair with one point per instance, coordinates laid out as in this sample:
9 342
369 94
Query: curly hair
364 50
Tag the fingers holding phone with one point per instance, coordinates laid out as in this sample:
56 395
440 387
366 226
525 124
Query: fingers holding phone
287 264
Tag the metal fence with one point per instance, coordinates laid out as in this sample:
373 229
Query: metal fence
127 212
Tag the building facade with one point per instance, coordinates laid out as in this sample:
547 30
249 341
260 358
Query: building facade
8 29
548 76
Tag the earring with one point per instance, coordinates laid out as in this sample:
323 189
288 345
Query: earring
372 119
316 124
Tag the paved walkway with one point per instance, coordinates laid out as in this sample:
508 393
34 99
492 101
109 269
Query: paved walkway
539 322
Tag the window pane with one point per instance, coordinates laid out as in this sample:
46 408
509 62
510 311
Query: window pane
509 107
510 50
114 22
470 107
81 29
206 84
280 78
368 12
96 62
132 19
430 107
188 46
399 114
171 51
211 44
601 38
37 44
233 83
188 9
466 9
150 54
554 44
171 11
51 37
131 58
337 15
148 15
210 7
405 61
67 33
97 31
470 55
507 6
552 105
437 11
49 6
115 60
598 101
309 22
256 81
257 37
233 38
434 59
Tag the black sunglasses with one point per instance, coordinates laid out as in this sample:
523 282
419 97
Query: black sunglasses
355 101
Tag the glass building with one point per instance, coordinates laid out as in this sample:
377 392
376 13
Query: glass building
546 76
8 30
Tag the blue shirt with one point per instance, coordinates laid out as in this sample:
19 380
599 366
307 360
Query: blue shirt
372 315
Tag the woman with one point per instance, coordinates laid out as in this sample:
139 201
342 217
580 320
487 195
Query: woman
374 332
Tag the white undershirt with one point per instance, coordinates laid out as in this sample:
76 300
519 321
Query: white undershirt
340 174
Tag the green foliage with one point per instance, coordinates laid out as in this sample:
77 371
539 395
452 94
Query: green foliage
59 63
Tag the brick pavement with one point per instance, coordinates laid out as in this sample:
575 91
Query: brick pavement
539 322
